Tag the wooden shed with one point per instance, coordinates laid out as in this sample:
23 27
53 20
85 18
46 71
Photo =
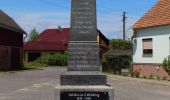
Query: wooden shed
11 43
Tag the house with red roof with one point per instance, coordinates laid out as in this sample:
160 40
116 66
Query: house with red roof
151 40
11 43
54 40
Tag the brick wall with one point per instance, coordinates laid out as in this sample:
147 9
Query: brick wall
150 69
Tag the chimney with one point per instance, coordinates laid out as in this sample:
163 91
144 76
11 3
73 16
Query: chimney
59 28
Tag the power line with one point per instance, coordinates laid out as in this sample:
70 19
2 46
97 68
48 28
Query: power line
53 4
62 6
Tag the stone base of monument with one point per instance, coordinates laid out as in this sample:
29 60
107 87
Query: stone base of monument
83 78
77 92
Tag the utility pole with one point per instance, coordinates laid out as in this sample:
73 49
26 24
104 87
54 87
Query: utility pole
124 25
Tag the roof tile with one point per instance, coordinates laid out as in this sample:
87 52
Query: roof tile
50 40
8 23
158 15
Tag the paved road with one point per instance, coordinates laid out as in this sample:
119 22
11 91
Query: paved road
39 85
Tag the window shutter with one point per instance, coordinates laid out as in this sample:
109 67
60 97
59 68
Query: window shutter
147 44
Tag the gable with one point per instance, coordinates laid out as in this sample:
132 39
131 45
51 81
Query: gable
8 23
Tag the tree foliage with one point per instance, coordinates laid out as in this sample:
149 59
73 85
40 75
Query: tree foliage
115 62
33 36
118 44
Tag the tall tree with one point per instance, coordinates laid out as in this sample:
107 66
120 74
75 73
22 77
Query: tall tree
33 36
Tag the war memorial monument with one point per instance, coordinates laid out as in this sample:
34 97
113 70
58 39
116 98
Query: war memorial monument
83 79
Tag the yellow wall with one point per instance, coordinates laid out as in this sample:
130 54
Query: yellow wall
98 39
101 41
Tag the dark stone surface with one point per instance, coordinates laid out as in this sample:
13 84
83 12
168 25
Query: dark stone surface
83 57
83 48
72 95
83 20
83 78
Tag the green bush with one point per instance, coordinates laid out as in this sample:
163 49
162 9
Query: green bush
158 77
56 59
137 74
144 77
151 76
33 65
116 62
118 44
166 64
119 61
132 74
164 78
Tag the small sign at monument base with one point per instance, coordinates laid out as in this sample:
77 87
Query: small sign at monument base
72 95
79 92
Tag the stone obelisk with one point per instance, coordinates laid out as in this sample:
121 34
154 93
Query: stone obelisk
83 79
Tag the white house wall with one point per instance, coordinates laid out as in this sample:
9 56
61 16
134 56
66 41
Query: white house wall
161 44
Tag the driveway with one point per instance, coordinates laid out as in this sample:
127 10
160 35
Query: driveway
39 85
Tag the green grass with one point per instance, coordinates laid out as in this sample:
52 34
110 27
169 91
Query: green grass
33 65
26 66
3 72
36 65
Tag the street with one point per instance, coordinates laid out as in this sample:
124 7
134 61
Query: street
39 85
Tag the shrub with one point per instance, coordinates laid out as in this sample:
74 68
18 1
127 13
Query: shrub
144 77
117 62
166 64
137 74
164 78
151 76
33 65
57 59
132 74
157 77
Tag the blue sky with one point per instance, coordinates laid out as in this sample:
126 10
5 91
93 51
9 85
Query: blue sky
44 14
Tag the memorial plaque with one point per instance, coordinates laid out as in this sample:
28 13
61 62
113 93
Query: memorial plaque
84 96
83 57
83 20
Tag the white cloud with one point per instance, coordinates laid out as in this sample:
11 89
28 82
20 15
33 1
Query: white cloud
111 24
42 21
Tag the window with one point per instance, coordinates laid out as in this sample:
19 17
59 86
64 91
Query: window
147 46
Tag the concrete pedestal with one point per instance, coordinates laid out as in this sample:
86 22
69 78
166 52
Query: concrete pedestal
83 78
85 92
